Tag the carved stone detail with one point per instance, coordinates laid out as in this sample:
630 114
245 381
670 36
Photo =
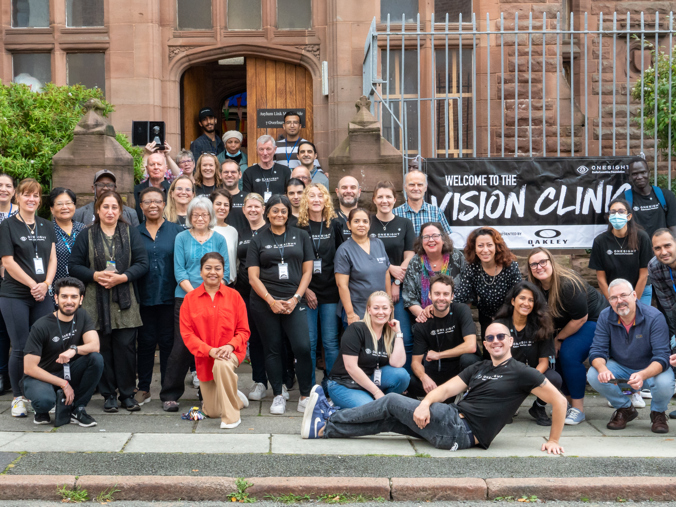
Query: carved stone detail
313 49
177 50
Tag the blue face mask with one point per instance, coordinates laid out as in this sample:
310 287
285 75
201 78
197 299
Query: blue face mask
618 221
234 154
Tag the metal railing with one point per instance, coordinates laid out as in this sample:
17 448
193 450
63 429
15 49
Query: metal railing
562 86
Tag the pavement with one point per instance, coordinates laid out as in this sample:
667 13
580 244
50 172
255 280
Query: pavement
152 452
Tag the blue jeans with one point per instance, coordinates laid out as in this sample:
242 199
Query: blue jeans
647 296
392 380
329 325
661 386
404 318
570 362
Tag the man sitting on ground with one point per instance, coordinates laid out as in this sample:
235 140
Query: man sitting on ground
62 352
631 342
496 389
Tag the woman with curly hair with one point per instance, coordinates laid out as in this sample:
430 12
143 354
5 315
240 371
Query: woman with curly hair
526 314
318 218
491 271
207 175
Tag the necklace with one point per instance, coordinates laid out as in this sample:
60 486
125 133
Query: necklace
621 245
384 224
492 279
203 238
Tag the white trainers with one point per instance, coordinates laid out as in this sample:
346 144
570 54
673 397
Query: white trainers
19 407
574 416
302 404
244 399
645 393
195 380
278 406
637 400
258 392
285 392
225 426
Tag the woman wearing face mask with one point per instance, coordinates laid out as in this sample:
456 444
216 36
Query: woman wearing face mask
179 195
222 201
623 251
233 151
207 174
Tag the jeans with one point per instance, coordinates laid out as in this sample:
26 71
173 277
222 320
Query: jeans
392 380
661 387
19 315
85 373
157 329
326 313
404 317
394 413
119 363
647 296
574 352
173 383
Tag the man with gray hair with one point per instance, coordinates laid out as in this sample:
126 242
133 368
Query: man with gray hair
415 208
631 348
266 177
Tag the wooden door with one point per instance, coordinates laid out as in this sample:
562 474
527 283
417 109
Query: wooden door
193 101
276 85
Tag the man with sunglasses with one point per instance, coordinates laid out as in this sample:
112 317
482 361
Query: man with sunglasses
104 180
631 347
496 389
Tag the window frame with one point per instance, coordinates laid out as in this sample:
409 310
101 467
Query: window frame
277 27
11 17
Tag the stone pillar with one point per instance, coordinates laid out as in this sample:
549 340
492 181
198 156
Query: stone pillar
93 148
365 154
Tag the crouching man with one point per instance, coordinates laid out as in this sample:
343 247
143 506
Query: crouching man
497 387
62 352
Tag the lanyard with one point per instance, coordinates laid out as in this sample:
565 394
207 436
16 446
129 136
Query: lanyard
313 174
110 244
280 248
72 326
672 280
286 150
32 235
319 239
65 242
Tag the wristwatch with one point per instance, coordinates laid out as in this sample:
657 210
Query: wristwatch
399 335
397 282
298 297
74 347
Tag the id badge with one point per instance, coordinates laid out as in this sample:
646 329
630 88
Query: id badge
266 196
110 266
39 266
376 376
283 271
66 372
317 267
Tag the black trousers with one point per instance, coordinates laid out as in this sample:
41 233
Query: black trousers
157 329
415 386
173 383
256 351
119 363
555 378
272 327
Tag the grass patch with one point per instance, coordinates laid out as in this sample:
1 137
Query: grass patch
106 495
422 455
325 499
520 499
75 495
241 496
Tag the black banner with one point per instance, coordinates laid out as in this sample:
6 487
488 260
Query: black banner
274 118
557 202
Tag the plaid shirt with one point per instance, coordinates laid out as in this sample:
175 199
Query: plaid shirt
427 213
665 290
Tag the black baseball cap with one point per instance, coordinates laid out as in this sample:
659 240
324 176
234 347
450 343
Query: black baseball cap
205 112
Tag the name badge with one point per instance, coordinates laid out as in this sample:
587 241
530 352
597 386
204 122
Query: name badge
317 267
110 266
376 376
66 372
266 196
39 266
283 271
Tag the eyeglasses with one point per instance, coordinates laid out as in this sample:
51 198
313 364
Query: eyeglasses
183 189
111 186
612 299
500 337
185 161
291 123
540 264
202 216
435 237
155 202
618 212
63 204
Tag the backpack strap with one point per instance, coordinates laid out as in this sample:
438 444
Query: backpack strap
660 196
629 197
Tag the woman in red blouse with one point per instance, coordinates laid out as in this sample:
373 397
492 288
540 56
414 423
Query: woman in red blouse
215 329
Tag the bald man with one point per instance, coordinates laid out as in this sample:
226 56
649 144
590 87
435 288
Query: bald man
497 387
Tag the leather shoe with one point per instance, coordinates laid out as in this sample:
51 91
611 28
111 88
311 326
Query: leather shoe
660 423
621 417
130 404
110 405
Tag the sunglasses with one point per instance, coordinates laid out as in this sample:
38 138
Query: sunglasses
500 337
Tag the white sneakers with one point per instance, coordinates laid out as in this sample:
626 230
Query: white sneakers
244 399
278 406
636 400
302 404
195 380
230 426
258 392
285 393
19 407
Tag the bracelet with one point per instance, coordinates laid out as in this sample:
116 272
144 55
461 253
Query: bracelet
64 385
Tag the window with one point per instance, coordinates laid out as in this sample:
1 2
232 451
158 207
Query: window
294 14
84 13
448 77
194 14
453 8
401 90
87 69
244 15
395 8
32 69
30 13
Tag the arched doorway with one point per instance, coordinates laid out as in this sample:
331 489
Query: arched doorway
268 84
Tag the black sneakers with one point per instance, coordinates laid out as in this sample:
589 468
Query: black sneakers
540 415
81 417
42 418
110 405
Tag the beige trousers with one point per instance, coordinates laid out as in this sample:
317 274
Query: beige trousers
219 396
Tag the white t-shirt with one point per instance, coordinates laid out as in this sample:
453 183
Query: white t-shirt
230 235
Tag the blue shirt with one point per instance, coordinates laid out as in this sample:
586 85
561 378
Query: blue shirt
187 254
427 213
158 285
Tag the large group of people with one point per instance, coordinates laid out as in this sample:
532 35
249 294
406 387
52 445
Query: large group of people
229 263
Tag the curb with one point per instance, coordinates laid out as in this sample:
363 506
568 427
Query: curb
163 488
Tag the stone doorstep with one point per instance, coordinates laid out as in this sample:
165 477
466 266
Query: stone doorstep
162 488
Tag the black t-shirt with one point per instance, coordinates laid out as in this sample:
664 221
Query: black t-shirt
358 341
182 220
397 235
46 341
265 251
495 393
204 189
528 351
613 255
292 221
443 333
344 230
259 180
649 213
17 241
244 236
325 242
576 303
236 216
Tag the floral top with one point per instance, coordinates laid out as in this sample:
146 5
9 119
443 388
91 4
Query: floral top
412 286
64 245
488 292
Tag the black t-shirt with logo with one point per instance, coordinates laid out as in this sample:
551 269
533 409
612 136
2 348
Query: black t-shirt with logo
265 251
358 341
259 180
397 235
649 213
443 333
613 255
495 393
576 302
244 236
325 242
528 351
344 229
46 341
17 241
236 216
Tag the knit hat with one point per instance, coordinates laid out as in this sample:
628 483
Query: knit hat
232 133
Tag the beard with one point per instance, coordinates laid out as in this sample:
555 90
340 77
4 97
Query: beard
348 203
67 311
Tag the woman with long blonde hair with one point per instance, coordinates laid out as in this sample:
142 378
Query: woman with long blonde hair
372 356
207 174
179 195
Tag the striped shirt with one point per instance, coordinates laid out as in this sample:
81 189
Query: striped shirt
427 213
287 153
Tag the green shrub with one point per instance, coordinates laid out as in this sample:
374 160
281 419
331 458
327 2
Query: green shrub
35 126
